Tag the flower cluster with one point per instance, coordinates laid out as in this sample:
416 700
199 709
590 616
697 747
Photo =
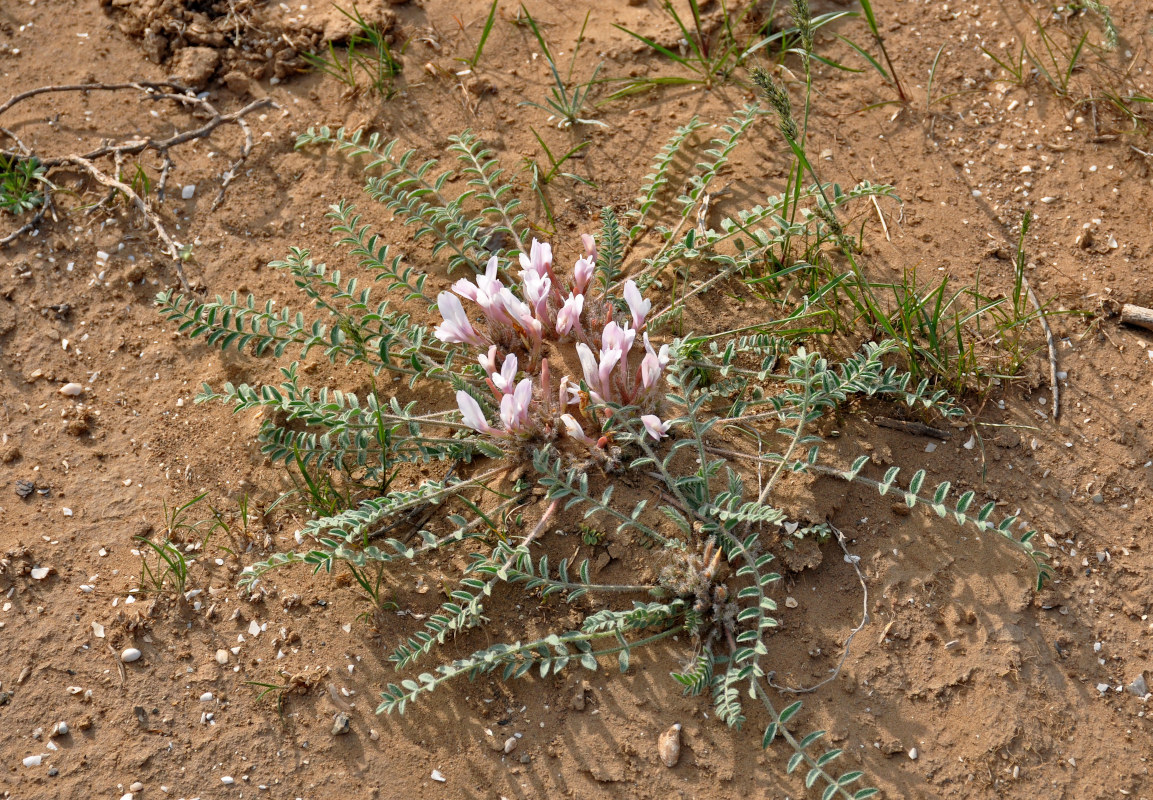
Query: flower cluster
546 317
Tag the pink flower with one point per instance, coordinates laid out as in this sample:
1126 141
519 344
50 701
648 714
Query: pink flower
471 414
654 426
520 316
456 328
638 306
537 286
617 338
589 366
590 245
574 429
539 259
609 359
582 273
514 408
488 362
504 379
570 314
485 293
653 364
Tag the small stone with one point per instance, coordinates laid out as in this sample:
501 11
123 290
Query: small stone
1102 687
195 66
669 746
341 723
33 761
53 772
254 628
1138 687
1098 498
791 602
25 488
71 389
222 657
136 786
913 754
40 573
579 700
60 729
510 744
227 780
206 697
187 191
438 776
372 734
130 654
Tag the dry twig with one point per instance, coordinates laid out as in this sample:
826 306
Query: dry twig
166 90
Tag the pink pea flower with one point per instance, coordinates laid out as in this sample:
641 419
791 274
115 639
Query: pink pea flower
582 273
537 286
539 259
609 359
505 379
653 364
590 245
456 328
520 316
574 429
638 306
654 426
589 366
570 314
514 408
489 361
617 338
472 416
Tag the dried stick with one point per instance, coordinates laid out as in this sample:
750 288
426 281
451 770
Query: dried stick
146 210
118 151
1137 315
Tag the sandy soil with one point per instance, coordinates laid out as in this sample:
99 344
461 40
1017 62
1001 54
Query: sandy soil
999 690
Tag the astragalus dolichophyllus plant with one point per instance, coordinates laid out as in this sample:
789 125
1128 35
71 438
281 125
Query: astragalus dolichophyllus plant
544 382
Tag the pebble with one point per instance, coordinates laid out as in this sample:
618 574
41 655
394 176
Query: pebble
913 754
341 723
129 655
33 761
438 776
61 729
206 697
40 573
669 746
227 780
188 191
71 389
510 744
1102 687
137 786
222 657
790 602
1138 687
53 772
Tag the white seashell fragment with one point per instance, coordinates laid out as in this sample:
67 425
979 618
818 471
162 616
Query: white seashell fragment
129 655
438 776
97 630
669 746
